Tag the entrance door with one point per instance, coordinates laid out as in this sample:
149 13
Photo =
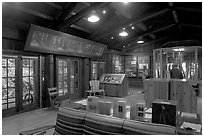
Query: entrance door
29 85
9 86
19 84
68 78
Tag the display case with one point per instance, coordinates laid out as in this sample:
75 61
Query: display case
97 69
115 85
118 64
131 66
188 59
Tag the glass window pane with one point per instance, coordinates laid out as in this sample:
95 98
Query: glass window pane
59 62
11 100
65 70
31 72
4 82
4 106
65 84
31 63
31 81
11 62
26 85
11 82
4 94
4 72
65 63
11 72
25 62
60 77
4 62
60 70
25 71
11 92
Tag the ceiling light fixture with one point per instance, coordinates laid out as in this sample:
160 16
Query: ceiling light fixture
93 17
132 27
123 33
104 12
111 37
140 41
179 49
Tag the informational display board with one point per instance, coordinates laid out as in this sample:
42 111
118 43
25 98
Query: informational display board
115 85
112 78
49 41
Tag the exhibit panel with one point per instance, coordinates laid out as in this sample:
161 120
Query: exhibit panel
115 85
188 60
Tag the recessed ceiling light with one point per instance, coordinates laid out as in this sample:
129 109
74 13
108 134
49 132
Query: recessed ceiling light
111 37
132 27
123 46
140 41
104 12
123 33
93 18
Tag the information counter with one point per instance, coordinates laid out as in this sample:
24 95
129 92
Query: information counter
115 85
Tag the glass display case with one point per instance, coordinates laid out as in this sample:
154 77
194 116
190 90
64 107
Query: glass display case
135 65
118 64
131 66
188 59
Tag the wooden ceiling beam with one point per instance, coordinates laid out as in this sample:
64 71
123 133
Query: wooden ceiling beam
29 11
65 13
56 6
98 35
82 14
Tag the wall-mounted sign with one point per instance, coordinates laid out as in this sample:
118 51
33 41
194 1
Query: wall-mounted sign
49 41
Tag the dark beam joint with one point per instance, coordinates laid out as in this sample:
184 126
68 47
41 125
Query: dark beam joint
189 9
63 16
82 14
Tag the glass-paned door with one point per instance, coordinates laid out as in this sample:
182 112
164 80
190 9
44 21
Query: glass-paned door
29 81
19 84
68 78
9 84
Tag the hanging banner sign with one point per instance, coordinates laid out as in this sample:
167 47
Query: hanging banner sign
49 41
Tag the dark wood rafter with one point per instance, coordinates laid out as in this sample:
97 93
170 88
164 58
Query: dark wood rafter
98 35
133 40
189 9
190 25
31 12
175 15
144 28
82 14
68 9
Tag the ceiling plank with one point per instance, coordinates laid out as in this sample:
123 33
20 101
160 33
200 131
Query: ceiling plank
82 14
98 35
144 28
29 11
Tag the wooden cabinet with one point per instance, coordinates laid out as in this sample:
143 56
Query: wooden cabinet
171 89
115 85
183 92
155 89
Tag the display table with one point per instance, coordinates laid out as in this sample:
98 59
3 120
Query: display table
115 85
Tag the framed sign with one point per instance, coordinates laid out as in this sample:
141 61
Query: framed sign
49 41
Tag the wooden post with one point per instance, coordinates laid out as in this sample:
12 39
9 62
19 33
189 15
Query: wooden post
85 76
154 63
196 64
161 71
